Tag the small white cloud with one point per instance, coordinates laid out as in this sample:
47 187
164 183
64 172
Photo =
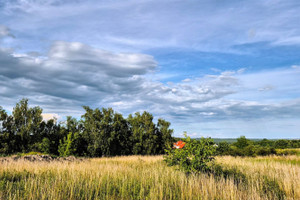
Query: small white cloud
48 116
207 113
240 71
297 67
187 80
266 88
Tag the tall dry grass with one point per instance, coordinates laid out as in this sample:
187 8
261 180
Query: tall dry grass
277 173
133 177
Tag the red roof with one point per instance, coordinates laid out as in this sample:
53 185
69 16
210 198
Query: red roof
179 145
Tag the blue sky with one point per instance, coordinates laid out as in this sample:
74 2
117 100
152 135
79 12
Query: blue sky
211 68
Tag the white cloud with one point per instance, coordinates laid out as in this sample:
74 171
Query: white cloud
48 116
72 74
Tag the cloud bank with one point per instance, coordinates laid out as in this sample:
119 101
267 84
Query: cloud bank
74 74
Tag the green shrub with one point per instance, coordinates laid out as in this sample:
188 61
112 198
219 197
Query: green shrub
222 148
264 151
196 156
220 172
284 152
272 188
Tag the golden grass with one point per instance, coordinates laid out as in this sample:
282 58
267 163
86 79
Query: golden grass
284 170
136 177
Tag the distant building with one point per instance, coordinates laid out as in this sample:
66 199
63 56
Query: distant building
179 145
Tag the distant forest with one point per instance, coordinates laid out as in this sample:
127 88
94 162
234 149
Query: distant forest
246 147
99 132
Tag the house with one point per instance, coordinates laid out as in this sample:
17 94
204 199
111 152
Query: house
179 145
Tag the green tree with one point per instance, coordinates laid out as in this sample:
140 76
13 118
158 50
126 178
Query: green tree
165 139
50 130
144 134
104 130
7 136
66 146
120 139
281 144
73 142
242 142
26 124
91 123
45 146
223 148
266 143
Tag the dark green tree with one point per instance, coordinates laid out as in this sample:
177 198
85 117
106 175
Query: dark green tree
73 142
242 142
144 134
165 139
223 148
26 122
120 139
7 135
281 144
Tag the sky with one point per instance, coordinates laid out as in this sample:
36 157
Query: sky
212 68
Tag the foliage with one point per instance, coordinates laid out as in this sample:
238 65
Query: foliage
284 152
223 148
196 156
45 146
246 147
104 132
99 132
145 135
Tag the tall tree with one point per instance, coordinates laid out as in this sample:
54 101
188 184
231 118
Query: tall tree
165 139
7 137
73 142
143 133
120 139
26 124
92 124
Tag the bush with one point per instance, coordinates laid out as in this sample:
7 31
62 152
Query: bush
196 156
220 172
223 148
264 151
284 152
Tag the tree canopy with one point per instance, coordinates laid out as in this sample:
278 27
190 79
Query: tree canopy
99 132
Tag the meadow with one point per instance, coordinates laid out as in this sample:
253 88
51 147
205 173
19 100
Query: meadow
149 177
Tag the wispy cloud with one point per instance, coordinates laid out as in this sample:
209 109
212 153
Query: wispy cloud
129 25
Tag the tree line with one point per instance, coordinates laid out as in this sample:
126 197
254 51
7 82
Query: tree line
99 132
246 147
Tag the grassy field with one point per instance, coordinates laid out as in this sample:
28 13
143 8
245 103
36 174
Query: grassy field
148 177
